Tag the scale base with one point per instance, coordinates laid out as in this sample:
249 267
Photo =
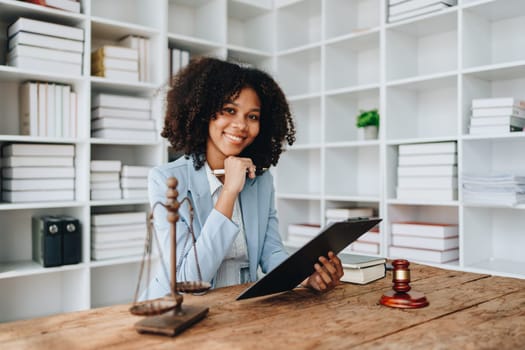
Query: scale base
173 322
404 300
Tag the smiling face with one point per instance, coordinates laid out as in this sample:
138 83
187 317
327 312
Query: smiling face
233 128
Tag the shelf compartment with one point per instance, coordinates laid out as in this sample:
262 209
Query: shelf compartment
490 33
303 172
307 115
10 94
297 211
305 19
104 32
248 26
342 110
392 159
343 17
42 295
422 48
299 73
204 19
502 82
430 213
422 109
138 12
15 243
255 59
489 156
114 284
353 62
493 240
358 171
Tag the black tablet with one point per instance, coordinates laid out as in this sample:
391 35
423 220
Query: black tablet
292 271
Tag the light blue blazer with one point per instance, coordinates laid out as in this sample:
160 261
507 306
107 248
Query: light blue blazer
214 232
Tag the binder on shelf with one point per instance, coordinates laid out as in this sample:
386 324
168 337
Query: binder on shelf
71 240
47 241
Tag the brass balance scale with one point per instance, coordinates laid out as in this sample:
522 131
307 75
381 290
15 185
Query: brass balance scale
167 315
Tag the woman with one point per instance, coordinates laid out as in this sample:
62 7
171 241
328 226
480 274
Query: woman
222 116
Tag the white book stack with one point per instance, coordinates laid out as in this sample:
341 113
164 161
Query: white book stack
38 173
48 110
178 59
403 9
117 235
134 181
341 214
425 241
427 171
142 46
497 115
105 179
116 63
368 243
66 5
498 189
44 46
122 117
301 233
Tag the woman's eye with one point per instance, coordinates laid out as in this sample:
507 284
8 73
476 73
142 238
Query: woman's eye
229 110
253 117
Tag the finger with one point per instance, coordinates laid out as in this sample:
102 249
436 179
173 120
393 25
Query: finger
328 265
337 263
321 286
323 274
251 172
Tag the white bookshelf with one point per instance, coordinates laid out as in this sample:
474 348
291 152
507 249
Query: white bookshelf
333 58
421 74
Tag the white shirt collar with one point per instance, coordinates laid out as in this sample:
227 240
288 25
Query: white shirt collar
215 184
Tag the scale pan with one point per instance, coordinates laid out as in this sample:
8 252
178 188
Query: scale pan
153 307
193 287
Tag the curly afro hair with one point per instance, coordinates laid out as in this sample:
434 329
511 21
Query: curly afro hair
200 90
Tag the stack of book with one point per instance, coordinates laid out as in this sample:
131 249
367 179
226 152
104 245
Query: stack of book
47 109
104 180
341 214
403 9
362 269
142 46
44 46
38 172
115 62
66 5
177 60
117 235
500 189
497 115
424 241
427 171
368 243
134 181
122 117
301 233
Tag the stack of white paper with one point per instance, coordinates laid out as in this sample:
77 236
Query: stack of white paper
497 189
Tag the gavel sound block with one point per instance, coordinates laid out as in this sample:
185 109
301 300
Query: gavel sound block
401 296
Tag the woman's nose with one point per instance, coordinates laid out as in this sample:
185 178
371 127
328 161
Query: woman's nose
239 121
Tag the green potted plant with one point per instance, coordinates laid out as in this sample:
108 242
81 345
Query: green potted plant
368 124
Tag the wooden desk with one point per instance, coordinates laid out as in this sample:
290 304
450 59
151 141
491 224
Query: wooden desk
467 311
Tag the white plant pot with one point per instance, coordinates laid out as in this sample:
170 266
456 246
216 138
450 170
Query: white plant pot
368 133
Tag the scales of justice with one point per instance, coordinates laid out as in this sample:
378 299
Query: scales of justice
167 315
